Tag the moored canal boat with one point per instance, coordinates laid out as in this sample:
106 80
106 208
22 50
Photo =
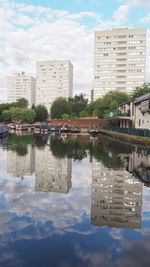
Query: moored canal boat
75 129
21 127
64 129
93 131
3 130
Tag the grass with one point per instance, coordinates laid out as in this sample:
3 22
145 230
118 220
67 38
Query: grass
127 137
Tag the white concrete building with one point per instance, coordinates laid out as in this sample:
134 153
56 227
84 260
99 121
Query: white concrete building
54 79
116 199
52 174
119 60
21 86
21 166
142 112
133 114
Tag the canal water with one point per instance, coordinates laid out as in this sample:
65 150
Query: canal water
73 201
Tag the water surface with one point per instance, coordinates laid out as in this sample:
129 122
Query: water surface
73 201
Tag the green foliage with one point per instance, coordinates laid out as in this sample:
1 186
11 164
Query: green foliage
4 107
65 116
33 107
20 114
59 107
29 115
77 104
41 113
90 108
84 113
143 90
22 103
6 115
16 114
108 102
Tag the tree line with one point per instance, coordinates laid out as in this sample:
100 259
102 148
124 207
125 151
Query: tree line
18 111
79 107
71 108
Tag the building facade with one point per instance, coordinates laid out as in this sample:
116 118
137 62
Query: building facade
21 166
119 60
54 79
116 199
133 114
21 86
142 112
52 174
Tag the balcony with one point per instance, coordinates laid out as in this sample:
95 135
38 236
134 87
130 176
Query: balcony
117 114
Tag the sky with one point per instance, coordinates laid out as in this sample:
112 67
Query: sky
34 30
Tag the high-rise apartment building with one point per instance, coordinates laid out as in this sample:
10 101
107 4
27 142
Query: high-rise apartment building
52 174
119 60
21 166
54 79
21 86
116 198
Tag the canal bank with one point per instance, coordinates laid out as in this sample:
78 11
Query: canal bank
126 137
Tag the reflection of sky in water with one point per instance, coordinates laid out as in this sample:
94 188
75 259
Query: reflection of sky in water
54 229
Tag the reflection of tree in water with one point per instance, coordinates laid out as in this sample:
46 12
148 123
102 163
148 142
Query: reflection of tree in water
106 156
75 149
79 149
19 144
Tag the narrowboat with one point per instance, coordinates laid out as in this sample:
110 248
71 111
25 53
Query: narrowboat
3 130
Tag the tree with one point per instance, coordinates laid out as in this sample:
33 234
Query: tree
22 103
6 106
17 114
6 115
41 113
77 104
33 107
59 107
84 113
21 114
65 116
90 108
108 102
28 115
143 90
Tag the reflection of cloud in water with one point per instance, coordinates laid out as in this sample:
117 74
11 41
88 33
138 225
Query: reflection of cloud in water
116 233
3 160
135 254
132 254
47 213
11 258
94 259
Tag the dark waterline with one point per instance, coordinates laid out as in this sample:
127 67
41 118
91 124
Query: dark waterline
73 201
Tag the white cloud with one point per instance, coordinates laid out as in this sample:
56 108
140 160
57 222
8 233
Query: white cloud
146 19
31 33
23 20
121 14
44 34
83 14
133 3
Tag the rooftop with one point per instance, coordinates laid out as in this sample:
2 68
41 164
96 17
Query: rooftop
142 98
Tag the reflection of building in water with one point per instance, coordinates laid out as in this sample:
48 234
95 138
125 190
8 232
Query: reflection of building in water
21 165
138 163
52 174
116 198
